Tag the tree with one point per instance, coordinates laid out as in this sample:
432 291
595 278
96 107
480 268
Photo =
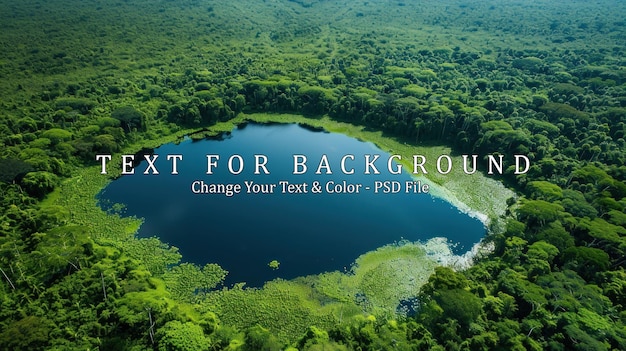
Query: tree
313 336
316 100
38 184
460 305
177 336
29 333
539 212
555 234
542 190
539 258
105 143
260 339
614 286
13 169
528 296
71 103
445 278
606 236
587 261
542 251
510 337
129 118
575 203
57 135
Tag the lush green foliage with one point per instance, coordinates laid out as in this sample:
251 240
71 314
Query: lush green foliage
540 78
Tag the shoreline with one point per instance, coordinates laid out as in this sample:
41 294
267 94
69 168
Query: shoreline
476 195
454 189
438 249
441 192
404 268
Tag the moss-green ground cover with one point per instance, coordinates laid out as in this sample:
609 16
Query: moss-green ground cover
376 283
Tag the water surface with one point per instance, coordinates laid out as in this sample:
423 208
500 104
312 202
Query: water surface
307 233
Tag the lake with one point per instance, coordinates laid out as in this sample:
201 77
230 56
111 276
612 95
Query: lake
305 231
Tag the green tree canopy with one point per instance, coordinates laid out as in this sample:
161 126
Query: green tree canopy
129 117
38 184
178 336
11 169
57 135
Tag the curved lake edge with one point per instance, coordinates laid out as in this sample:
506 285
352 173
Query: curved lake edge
475 195
114 230
107 227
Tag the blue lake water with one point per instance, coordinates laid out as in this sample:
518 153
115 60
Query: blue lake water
308 233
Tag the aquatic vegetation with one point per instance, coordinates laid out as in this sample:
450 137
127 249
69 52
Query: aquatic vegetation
273 264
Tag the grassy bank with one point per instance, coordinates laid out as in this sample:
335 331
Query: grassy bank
377 282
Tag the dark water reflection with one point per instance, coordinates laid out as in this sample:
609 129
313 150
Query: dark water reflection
307 233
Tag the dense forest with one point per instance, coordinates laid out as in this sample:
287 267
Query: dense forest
541 78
